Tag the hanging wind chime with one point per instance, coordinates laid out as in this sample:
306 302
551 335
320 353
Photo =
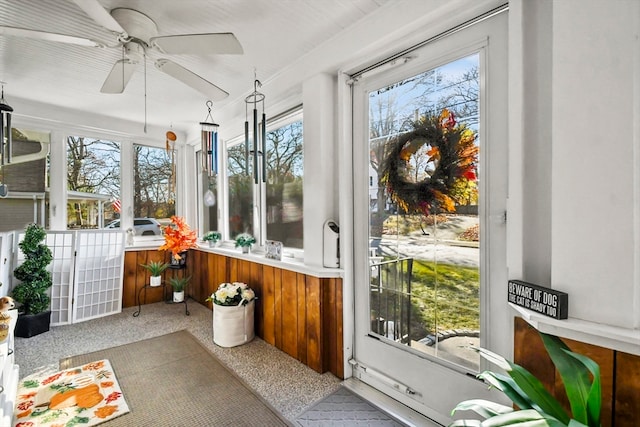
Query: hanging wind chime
209 140
170 147
256 145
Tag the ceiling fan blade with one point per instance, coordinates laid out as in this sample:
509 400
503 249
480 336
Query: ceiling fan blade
53 37
118 77
99 14
191 79
212 43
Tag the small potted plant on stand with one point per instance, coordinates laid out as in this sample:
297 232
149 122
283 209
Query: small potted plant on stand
213 237
179 284
155 268
31 293
245 240
178 238
233 314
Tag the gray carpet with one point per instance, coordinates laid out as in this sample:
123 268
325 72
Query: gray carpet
288 385
173 380
345 408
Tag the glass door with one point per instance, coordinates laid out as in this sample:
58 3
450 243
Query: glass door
425 135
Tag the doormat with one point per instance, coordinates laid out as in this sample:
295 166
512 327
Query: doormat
345 408
174 380
86 395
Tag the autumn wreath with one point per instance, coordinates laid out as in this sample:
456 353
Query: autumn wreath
423 165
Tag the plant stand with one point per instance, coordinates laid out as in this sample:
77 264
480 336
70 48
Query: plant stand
164 294
233 325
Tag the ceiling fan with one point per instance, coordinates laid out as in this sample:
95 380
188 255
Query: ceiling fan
137 34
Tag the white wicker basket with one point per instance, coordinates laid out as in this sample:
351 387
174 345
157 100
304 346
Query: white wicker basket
233 325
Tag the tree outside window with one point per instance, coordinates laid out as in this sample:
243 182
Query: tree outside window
282 191
153 191
93 181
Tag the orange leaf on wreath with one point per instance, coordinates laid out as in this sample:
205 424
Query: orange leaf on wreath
446 202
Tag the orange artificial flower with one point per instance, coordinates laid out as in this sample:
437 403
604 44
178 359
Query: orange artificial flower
178 237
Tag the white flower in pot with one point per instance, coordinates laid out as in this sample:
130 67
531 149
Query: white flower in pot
233 314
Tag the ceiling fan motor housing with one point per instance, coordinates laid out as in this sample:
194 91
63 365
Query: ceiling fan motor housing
138 26
134 51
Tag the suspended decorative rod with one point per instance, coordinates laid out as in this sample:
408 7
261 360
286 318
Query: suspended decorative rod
256 145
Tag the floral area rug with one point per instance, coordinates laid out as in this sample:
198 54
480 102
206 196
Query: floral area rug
83 396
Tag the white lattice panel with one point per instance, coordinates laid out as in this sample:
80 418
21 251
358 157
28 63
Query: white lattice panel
86 271
99 270
61 244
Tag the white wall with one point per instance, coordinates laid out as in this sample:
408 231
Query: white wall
575 157
594 159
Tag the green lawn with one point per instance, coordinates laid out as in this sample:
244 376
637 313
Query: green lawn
443 296
446 294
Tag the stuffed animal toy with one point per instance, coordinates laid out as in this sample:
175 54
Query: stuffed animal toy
6 304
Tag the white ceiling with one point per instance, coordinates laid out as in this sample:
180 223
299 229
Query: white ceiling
273 34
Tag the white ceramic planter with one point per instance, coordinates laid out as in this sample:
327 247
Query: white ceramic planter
155 281
178 296
233 325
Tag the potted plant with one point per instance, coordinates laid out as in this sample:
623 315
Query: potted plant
155 268
178 238
245 240
233 314
179 284
212 237
535 405
31 293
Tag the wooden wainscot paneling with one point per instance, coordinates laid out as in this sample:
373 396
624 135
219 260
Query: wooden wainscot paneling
619 374
627 398
297 313
268 296
136 277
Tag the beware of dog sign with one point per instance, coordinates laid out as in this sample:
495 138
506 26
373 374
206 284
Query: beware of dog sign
539 299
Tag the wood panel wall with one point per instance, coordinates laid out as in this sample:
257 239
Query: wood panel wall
619 372
297 313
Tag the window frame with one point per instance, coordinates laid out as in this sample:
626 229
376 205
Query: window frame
259 197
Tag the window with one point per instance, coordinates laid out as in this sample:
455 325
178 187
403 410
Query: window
276 204
436 252
24 182
240 201
284 184
93 182
153 185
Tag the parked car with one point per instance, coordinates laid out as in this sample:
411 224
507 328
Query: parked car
142 226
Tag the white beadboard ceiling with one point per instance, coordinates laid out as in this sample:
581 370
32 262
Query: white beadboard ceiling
273 34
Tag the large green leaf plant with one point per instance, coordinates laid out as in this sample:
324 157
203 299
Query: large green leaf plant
536 407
